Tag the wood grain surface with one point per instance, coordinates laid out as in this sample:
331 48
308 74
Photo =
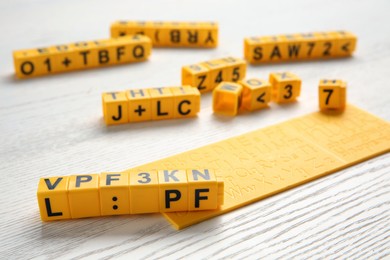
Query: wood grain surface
53 126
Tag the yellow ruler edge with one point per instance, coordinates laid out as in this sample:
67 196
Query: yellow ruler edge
267 161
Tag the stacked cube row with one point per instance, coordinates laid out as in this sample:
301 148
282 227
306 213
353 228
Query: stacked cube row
207 75
300 46
253 94
171 34
81 55
134 192
138 105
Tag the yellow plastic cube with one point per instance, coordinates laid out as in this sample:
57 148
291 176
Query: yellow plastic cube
332 94
286 87
208 34
235 69
196 75
114 193
186 101
256 94
83 195
139 104
252 50
173 190
325 45
162 101
52 197
202 189
144 192
217 72
227 98
346 43
86 54
118 29
115 108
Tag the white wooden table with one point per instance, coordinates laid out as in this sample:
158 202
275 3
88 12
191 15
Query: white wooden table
53 126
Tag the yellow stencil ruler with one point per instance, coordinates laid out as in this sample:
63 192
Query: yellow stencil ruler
264 162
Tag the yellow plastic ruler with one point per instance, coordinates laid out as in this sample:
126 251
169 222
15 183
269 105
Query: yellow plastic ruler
264 162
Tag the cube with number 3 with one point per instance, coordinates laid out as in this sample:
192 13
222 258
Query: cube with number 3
286 87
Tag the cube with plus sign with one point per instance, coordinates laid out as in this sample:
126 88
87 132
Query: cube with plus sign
286 87
256 94
139 104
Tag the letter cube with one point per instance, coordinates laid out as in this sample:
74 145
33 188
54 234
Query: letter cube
286 87
256 94
162 101
235 69
83 195
144 192
139 104
227 98
217 72
114 193
346 43
202 189
52 197
173 190
332 94
186 101
115 108
196 75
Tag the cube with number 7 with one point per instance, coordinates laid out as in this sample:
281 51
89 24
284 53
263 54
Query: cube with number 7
332 94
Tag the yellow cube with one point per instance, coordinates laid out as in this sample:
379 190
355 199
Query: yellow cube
325 45
235 69
252 52
217 72
202 189
286 87
173 190
197 76
140 105
208 34
346 43
162 101
86 54
83 195
133 48
256 94
118 29
332 94
144 192
186 101
114 193
227 98
52 197
115 108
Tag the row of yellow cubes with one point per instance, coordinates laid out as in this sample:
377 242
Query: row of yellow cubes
134 192
81 55
136 105
171 34
285 87
300 46
254 93
207 75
